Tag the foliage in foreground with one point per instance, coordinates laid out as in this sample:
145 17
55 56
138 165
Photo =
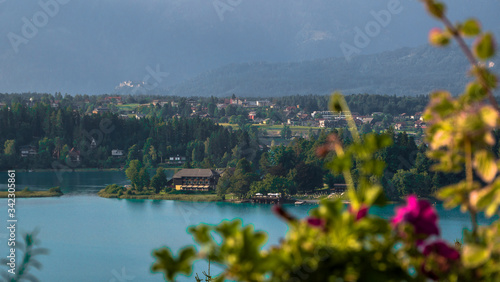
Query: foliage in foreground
335 243
30 250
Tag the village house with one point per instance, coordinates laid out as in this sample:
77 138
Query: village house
398 125
302 116
28 151
258 120
364 119
339 188
196 180
267 121
100 111
117 153
117 100
332 115
263 103
420 124
251 115
176 160
93 143
236 102
322 123
335 123
417 115
402 117
74 155
251 104
139 116
367 120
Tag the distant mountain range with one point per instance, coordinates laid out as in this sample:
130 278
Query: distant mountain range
194 47
406 71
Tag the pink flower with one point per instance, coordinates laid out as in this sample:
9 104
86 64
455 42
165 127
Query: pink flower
439 258
315 222
359 214
418 213
442 249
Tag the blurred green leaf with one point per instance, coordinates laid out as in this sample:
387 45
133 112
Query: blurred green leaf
474 92
488 199
337 102
171 267
484 48
470 27
375 196
341 163
474 255
435 8
485 165
456 194
201 233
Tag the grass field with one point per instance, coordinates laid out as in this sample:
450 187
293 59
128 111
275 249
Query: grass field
276 129
128 107
33 194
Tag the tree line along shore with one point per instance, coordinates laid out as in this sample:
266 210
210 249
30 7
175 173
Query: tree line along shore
26 193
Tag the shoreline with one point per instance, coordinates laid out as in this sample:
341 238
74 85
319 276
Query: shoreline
166 197
190 198
82 169
31 194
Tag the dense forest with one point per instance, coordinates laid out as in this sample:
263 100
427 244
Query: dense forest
364 104
296 168
60 134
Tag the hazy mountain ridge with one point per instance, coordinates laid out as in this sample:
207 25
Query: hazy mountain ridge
89 47
406 71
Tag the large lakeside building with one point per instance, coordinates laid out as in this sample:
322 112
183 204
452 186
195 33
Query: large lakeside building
196 179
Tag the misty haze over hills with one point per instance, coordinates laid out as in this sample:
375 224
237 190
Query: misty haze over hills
195 47
407 71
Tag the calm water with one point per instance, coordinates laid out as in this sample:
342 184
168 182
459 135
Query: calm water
96 239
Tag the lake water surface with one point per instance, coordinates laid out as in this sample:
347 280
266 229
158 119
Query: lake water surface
96 239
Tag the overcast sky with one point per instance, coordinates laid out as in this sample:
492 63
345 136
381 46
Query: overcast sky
91 46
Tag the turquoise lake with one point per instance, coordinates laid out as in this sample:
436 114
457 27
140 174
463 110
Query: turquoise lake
96 239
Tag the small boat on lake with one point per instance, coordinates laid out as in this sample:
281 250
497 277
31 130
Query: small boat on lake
299 203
